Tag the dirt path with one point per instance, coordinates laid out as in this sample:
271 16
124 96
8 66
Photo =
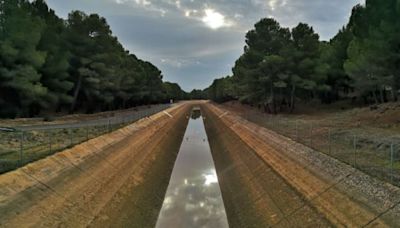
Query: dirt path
75 120
119 178
304 180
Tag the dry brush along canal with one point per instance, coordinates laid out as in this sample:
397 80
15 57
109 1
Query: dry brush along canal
185 168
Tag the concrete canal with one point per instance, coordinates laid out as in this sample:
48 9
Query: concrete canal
214 169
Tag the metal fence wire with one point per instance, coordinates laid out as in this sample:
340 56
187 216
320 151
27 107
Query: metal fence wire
26 144
376 155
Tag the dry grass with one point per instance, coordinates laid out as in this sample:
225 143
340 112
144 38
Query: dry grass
366 138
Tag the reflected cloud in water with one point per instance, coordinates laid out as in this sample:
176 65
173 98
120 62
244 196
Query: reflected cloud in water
211 178
193 198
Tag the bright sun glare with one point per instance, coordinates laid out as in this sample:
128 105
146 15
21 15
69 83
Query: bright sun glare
214 19
210 178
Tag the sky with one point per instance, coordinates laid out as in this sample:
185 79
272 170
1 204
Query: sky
194 42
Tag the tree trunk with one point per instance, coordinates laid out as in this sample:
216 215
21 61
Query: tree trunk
273 99
382 97
281 98
76 93
395 88
267 108
365 100
375 97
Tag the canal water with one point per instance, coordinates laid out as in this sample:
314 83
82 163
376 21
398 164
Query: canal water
193 197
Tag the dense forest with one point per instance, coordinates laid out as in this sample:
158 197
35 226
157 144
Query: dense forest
280 67
48 64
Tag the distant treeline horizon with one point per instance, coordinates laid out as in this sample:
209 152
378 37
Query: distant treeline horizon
49 65
281 67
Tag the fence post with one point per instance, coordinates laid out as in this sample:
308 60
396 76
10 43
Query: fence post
50 141
391 162
70 137
87 133
279 126
271 123
21 147
329 142
355 150
311 130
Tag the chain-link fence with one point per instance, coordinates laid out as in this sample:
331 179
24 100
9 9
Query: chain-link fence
377 155
19 146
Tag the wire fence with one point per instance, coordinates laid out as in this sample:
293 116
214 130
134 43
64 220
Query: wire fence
374 154
23 145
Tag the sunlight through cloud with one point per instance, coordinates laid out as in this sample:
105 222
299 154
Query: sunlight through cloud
214 19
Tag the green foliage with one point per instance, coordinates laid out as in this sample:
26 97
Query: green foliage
221 90
281 66
20 60
173 91
55 76
277 62
373 53
196 94
50 64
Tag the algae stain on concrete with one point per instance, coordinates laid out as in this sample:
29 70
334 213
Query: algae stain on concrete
193 197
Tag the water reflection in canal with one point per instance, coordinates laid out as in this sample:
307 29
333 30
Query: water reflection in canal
193 198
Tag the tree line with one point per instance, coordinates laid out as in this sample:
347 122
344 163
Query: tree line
282 66
48 64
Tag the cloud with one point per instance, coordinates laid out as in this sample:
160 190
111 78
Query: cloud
179 63
211 17
195 41
139 2
198 198
214 19
143 4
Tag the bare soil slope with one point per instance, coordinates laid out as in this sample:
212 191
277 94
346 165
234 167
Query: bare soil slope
254 194
312 183
116 179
